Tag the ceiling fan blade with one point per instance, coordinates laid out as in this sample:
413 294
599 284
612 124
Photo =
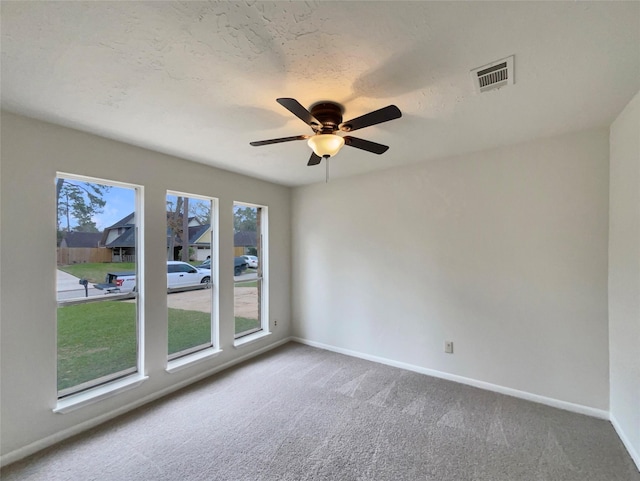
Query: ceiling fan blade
258 143
365 145
314 159
372 118
293 106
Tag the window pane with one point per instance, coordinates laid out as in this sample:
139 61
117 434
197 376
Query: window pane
97 329
248 271
189 298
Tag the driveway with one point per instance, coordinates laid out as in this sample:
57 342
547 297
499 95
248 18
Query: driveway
245 301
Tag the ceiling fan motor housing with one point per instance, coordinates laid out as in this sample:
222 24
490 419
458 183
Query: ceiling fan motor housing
330 114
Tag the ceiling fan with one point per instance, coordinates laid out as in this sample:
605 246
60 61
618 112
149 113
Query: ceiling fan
325 119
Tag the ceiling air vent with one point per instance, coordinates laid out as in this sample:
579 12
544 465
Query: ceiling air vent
494 75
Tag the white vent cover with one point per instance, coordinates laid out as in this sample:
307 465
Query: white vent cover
493 75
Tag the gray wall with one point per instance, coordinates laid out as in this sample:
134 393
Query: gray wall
502 252
32 153
508 253
624 276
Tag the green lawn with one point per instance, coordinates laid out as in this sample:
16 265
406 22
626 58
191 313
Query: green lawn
99 338
96 272
94 340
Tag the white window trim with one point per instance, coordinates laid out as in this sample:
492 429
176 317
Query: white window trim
180 363
82 398
250 338
91 396
264 260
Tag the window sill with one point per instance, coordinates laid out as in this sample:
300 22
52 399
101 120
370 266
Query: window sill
77 401
186 361
250 339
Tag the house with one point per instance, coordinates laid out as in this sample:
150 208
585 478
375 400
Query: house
81 247
506 222
120 239
74 240
199 240
245 242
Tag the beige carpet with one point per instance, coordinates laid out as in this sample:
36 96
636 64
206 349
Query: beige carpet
299 413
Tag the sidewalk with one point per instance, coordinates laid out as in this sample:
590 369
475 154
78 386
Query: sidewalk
67 282
69 287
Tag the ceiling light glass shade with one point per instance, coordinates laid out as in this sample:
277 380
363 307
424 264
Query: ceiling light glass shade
326 144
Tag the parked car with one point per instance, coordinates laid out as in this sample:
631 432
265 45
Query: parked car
252 261
239 265
180 276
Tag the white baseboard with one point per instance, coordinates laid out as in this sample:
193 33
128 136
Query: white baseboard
635 455
41 444
556 403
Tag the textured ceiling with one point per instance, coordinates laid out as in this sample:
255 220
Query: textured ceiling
199 80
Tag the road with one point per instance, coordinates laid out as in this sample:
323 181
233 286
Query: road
246 298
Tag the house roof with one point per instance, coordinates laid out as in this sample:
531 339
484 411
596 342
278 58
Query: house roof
577 64
82 239
125 221
195 232
245 239
126 239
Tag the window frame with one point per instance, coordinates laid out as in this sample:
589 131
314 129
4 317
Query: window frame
88 392
262 278
180 359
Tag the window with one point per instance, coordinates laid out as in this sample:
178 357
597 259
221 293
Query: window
250 267
190 274
98 328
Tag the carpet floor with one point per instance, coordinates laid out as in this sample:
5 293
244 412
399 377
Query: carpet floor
300 413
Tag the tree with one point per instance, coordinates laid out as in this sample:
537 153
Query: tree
185 230
201 210
80 202
178 226
174 225
245 219
88 227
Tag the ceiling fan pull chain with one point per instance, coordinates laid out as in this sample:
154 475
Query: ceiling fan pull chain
326 158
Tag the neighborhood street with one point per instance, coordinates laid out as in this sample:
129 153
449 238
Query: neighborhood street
246 298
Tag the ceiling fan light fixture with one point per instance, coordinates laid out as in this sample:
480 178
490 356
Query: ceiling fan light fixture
326 144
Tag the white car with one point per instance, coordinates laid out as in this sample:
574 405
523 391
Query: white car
252 261
180 275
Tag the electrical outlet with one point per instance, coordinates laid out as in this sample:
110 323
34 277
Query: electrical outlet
448 347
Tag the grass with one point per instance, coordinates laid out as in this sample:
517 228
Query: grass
97 271
244 324
94 340
188 329
99 338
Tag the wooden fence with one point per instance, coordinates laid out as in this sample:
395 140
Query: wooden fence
80 255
